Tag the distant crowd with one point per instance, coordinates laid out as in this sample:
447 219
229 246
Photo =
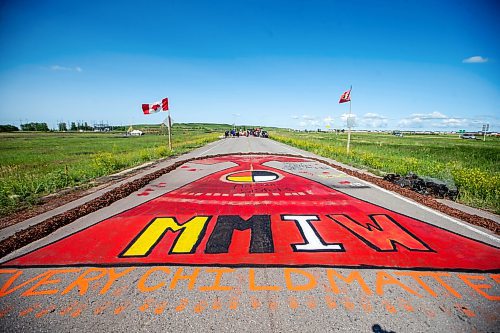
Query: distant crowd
246 132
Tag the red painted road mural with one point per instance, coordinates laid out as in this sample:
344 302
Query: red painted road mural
255 215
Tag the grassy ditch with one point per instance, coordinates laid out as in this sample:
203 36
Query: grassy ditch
472 166
36 164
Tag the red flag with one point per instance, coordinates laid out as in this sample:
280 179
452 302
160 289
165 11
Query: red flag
151 108
164 104
346 97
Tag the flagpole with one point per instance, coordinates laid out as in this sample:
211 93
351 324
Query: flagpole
169 132
349 123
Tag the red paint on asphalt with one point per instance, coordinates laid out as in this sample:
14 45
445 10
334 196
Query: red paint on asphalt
365 234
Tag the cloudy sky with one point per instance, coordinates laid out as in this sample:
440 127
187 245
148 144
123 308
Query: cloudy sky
412 64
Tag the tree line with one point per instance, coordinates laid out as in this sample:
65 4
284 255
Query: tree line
32 127
75 126
62 127
8 128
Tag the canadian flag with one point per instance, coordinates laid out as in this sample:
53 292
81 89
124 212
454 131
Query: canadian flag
346 97
151 108
155 107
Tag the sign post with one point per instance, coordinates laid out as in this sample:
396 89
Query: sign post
349 125
169 131
164 106
486 128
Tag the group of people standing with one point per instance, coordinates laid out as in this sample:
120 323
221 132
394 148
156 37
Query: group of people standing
245 132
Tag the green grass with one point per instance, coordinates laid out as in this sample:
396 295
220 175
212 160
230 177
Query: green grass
36 164
473 166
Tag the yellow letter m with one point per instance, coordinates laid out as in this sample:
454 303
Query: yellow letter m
191 233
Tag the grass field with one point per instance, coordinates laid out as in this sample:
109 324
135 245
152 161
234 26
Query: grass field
473 166
36 164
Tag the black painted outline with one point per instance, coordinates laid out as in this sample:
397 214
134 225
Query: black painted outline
256 173
180 231
370 227
251 265
342 249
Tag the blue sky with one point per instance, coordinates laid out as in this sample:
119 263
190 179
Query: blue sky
412 64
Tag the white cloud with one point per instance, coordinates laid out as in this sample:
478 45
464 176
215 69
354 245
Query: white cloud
435 115
455 122
66 69
344 116
429 116
475 60
371 115
424 119
437 119
374 120
411 122
328 120
59 68
308 121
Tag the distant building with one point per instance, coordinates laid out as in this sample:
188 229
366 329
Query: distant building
102 127
136 133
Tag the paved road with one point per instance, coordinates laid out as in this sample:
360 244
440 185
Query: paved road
255 243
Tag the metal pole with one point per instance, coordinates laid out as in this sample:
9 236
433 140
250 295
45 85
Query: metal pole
169 132
349 128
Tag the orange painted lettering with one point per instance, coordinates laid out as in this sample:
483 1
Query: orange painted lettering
141 284
417 277
216 286
112 277
478 287
437 277
82 282
5 288
191 278
384 279
45 280
353 276
311 284
255 287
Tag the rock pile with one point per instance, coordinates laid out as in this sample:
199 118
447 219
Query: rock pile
419 185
